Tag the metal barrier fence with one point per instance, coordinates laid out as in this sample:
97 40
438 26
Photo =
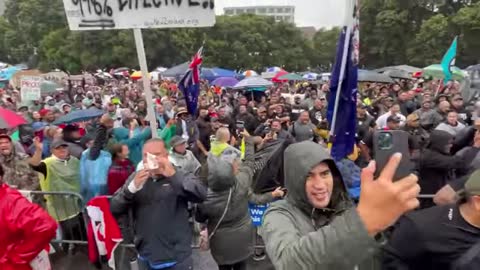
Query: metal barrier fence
67 208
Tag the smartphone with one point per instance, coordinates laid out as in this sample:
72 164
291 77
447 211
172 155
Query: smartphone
387 143
240 125
152 163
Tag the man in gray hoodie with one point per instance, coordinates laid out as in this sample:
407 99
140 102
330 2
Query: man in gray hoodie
318 227
303 129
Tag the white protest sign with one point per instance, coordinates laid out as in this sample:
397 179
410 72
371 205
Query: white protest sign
30 88
128 14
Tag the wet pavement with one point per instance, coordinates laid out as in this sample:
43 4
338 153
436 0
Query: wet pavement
202 261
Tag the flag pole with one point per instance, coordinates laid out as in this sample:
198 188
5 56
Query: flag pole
142 59
349 24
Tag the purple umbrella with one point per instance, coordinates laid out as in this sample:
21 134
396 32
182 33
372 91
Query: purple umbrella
225 82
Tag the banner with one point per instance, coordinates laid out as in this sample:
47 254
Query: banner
129 14
30 88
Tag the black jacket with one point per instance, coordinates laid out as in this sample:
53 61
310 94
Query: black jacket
160 212
436 165
433 238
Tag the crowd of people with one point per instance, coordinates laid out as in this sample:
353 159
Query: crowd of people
205 166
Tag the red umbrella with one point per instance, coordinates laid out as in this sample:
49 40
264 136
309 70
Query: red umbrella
9 119
278 75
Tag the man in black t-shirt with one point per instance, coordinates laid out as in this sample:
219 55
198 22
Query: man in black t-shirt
439 237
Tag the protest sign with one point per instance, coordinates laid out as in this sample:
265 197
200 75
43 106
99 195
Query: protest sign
256 213
30 88
130 14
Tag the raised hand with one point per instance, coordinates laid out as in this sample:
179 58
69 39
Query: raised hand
383 201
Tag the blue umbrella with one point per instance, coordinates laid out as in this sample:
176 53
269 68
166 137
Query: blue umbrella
79 116
225 82
211 74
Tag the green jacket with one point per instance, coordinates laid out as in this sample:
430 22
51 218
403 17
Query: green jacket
298 236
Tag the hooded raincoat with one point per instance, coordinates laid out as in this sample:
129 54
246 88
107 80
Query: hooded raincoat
236 227
299 236
436 165
26 230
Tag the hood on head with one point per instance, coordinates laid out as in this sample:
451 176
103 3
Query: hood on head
220 174
299 159
439 139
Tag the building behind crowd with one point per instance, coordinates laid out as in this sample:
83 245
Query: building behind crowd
281 13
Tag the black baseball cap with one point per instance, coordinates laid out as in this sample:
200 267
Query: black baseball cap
394 119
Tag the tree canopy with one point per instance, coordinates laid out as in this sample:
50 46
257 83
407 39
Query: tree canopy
392 32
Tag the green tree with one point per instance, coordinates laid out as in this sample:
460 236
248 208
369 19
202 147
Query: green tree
467 26
430 42
29 21
324 46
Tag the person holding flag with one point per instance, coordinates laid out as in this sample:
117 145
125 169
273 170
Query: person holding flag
190 83
317 226
190 87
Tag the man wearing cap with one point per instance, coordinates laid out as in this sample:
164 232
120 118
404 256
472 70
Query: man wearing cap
47 116
364 121
182 158
418 135
186 128
441 237
16 165
424 111
394 111
393 123
61 172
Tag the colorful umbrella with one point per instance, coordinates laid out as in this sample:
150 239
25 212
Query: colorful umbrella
310 76
291 77
9 119
212 74
274 69
250 73
225 82
436 71
253 82
79 116
279 74
136 75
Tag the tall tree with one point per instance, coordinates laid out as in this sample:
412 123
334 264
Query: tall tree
431 42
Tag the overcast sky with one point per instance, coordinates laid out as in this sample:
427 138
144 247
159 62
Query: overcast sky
317 13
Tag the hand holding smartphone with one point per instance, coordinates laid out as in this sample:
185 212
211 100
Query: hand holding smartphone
387 143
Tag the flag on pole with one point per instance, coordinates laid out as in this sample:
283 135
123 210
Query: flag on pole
448 61
190 83
342 106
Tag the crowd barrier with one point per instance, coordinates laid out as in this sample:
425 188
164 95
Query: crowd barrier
68 208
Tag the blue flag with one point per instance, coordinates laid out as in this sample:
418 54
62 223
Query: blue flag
344 127
448 61
190 83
